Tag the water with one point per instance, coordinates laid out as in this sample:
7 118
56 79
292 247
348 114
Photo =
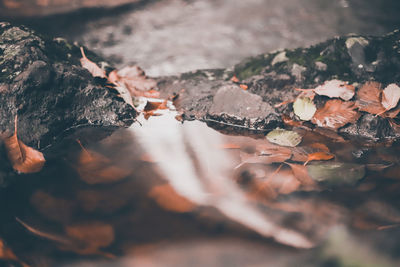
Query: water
165 193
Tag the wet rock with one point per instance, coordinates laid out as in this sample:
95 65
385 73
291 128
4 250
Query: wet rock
234 106
274 76
43 84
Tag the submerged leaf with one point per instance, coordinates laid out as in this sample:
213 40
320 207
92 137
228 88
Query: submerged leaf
169 199
284 137
368 98
23 158
336 173
390 96
301 174
304 108
335 114
336 88
92 67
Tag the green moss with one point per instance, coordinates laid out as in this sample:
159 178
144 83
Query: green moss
252 66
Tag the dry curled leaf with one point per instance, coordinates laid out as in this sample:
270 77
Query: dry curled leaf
335 114
390 96
92 67
368 98
23 158
169 199
336 88
153 105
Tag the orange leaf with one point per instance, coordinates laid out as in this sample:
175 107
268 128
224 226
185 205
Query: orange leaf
244 86
169 199
235 79
319 156
335 114
92 67
229 146
368 98
23 158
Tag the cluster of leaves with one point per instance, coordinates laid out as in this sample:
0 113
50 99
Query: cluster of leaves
340 110
130 82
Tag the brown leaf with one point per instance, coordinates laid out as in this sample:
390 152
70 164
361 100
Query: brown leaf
92 67
369 98
90 237
301 174
320 146
153 105
335 114
336 88
134 78
169 199
94 168
23 158
390 96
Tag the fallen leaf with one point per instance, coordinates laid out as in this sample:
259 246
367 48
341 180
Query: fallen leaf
335 114
336 88
319 156
390 96
235 79
150 113
284 137
320 146
23 158
153 105
94 168
92 67
288 121
169 199
244 86
304 108
336 173
7 254
229 146
301 174
368 98
90 237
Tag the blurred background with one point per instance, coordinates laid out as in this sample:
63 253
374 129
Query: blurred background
173 36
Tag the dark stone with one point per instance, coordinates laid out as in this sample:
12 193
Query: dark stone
42 82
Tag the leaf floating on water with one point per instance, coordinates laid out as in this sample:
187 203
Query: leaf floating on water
92 67
169 199
336 88
284 137
336 173
304 108
319 156
23 158
335 114
390 96
368 98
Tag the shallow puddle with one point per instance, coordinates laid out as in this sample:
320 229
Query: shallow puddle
166 193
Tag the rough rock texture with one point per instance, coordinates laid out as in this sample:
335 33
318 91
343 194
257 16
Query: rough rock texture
42 82
274 76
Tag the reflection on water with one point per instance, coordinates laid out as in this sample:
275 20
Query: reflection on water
170 194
